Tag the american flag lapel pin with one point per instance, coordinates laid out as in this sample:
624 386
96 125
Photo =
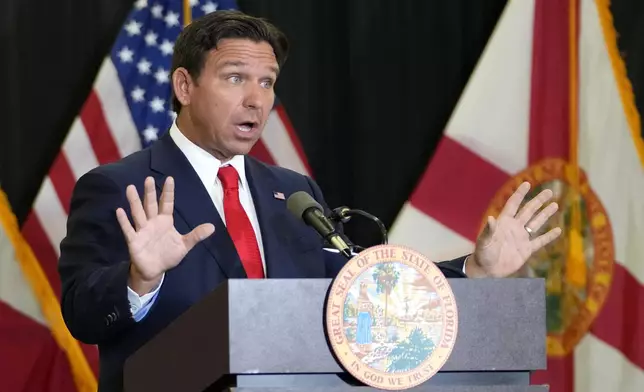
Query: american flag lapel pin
279 195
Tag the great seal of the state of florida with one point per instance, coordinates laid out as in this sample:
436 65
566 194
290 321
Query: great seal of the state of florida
391 317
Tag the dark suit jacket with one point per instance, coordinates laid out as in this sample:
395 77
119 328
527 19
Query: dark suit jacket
94 262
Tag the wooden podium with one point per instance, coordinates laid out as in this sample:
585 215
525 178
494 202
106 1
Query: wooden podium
268 335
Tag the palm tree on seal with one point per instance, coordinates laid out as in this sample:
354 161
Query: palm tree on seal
386 276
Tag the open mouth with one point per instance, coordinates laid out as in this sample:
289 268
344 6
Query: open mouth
247 126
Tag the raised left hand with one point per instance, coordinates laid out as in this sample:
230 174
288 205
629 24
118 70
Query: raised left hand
506 243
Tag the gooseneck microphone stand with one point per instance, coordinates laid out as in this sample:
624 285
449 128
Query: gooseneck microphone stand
344 214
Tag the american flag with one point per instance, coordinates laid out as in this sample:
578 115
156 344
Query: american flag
128 108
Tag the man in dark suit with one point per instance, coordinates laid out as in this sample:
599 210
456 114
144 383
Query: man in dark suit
132 262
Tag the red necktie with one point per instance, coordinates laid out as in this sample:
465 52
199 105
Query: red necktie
238 224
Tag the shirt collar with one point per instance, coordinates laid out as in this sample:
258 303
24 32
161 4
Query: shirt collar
206 165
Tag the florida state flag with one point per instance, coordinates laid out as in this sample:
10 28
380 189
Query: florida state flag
550 102
38 353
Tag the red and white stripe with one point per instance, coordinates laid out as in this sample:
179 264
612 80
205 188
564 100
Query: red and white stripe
104 132
488 140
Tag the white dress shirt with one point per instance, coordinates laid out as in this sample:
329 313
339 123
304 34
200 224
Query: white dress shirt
207 166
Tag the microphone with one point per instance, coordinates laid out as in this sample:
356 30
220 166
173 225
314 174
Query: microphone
304 207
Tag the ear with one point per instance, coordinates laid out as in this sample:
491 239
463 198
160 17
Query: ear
182 85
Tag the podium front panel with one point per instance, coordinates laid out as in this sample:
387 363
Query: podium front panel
277 326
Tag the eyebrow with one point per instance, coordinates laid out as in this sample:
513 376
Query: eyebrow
231 63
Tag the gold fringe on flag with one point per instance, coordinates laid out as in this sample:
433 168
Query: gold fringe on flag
83 375
619 70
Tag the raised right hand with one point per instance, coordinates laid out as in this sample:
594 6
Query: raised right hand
154 244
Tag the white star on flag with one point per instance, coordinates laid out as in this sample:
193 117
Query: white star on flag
209 7
167 47
140 4
144 66
133 28
162 76
157 11
126 55
157 104
138 94
172 19
150 133
151 38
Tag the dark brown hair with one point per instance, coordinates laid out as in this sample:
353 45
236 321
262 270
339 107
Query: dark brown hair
203 35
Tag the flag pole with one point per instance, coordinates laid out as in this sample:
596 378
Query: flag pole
187 13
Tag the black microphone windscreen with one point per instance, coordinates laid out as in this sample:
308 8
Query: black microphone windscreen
301 201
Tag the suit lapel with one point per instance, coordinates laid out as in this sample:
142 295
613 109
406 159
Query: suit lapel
279 235
193 203
262 183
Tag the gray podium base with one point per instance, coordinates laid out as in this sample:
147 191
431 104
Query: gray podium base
507 388
528 388
332 383
441 382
